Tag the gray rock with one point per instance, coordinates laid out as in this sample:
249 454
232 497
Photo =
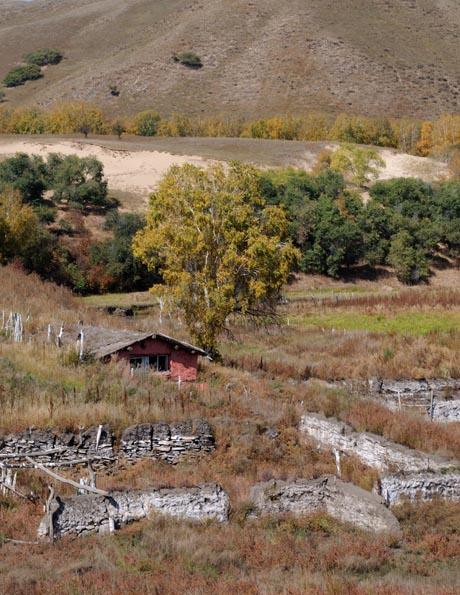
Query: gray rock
88 514
374 451
340 499
422 486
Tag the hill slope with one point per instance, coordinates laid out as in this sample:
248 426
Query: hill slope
393 57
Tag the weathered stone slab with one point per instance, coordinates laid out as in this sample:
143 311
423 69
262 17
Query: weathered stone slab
423 486
446 411
81 515
374 451
340 499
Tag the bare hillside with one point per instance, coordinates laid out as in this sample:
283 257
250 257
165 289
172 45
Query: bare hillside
393 57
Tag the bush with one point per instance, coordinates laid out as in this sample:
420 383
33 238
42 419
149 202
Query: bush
44 56
146 123
189 59
21 74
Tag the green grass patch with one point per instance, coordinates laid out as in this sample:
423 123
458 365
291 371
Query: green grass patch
414 323
121 300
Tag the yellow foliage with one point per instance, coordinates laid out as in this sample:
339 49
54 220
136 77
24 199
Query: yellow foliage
68 118
216 248
426 139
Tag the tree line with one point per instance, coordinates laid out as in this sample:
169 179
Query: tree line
218 242
406 223
440 137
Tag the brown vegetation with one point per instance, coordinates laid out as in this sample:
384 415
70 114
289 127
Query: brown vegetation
262 58
254 405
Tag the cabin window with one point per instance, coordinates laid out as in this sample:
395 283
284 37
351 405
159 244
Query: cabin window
149 363
159 363
136 363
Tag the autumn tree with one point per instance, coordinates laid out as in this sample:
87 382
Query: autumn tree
426 139
359 165
68 118
216 245
146 123
22 237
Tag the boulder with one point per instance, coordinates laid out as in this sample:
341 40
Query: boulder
342 500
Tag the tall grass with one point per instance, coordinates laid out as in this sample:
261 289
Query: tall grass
254 403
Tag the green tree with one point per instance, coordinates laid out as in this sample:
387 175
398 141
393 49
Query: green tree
26 174
44 57
116 256
216 246
409 261
77 181
335 239
359 165
21 74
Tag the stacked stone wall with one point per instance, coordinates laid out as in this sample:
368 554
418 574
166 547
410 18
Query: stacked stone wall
56 448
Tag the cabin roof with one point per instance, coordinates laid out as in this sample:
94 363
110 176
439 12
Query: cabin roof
102 341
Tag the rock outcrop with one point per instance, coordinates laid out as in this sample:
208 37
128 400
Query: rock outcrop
81 515
374 451
340 499
423 486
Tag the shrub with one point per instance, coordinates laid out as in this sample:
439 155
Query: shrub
44 56
146 123
21 74
189 59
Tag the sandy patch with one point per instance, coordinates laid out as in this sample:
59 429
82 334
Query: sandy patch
136 172
401 165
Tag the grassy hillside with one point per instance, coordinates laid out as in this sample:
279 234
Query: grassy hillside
378 58
261 387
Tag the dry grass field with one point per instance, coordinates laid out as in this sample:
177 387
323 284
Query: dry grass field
382 57
261 385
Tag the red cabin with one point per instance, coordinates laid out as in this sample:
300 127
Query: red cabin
145 353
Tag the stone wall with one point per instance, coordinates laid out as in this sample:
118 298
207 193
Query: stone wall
423 486
81 515
436 397
55 448
166 442
374 451
340 499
